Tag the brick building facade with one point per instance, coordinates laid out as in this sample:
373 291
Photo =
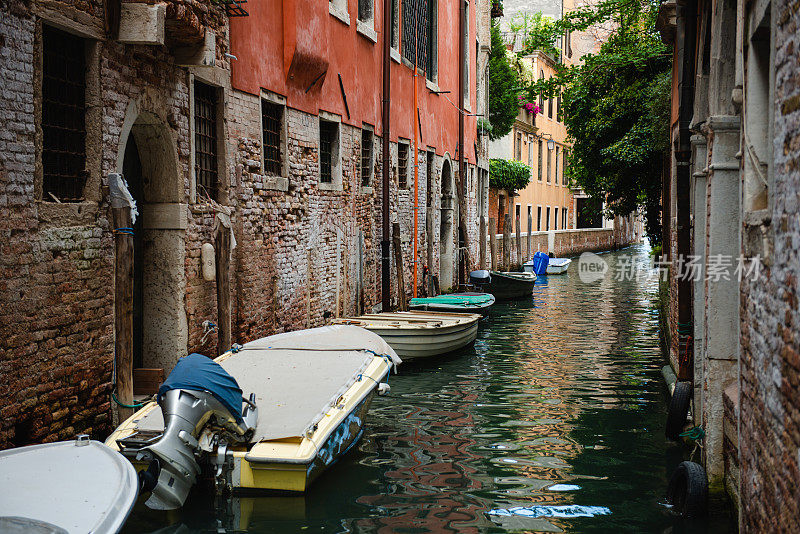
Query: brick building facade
151 96
733 193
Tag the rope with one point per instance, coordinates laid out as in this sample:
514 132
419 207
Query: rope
124 230
696 434
134 406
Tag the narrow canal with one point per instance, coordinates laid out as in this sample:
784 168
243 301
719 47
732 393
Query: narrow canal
560 402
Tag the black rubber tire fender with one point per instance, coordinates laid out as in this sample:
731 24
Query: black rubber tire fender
688 490
678 409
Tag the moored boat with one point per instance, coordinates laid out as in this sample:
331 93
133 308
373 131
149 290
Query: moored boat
65 487
504 285
455 302
558 265
309 392
420 334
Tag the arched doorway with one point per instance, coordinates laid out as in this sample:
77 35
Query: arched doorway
446 229
160 332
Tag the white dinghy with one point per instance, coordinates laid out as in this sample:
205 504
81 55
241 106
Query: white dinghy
65 487
420 334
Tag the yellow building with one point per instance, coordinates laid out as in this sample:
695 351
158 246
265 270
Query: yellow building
538 140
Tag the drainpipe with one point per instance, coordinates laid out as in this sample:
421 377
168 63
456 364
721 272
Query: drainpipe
385 262
687 36
462 171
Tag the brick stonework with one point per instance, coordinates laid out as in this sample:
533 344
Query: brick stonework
770 355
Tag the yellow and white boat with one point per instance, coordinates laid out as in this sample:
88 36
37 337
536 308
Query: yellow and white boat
309 390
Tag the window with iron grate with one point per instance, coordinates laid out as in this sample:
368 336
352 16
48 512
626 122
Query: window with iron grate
205 139
402 165
272 128
415 26
327 138
63 116
366 157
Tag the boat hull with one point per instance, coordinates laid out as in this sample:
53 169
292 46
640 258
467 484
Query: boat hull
505 287
482 308
414 346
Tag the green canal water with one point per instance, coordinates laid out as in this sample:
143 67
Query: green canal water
560 402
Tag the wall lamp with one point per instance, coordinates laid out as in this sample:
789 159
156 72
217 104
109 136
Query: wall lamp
551 145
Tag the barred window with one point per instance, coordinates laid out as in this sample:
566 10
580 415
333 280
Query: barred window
63 116
327 138
272 127
402 165
366 157
415 25
205 138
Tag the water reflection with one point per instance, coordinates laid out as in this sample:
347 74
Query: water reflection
558 406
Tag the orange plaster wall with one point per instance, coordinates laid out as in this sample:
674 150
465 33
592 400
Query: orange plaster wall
278 32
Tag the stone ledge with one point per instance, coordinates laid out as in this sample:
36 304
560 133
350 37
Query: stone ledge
53 214
343 16
367 30
276 183
329 186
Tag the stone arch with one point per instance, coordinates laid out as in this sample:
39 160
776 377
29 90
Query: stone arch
147 157
446 248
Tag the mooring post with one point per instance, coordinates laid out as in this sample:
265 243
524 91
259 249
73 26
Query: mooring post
520 261
123 309
398 260
222 253
493 243
482 243
506 243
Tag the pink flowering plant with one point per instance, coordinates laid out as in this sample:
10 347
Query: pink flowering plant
530 107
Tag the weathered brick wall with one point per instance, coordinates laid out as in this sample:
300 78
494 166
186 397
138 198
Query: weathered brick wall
770 357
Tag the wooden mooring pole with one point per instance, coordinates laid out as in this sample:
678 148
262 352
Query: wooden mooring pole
482 243
518 228
398 261
493 243
222 252
506 243
123 309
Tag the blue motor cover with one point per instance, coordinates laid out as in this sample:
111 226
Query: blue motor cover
540 263
200 373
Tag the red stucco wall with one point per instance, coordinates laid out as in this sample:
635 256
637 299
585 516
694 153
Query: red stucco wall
279 32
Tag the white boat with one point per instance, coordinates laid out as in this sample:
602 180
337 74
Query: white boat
420 334
309 392
65 487
558 265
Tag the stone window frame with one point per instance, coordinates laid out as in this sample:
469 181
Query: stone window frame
366 26
547 219
467 101
83 211
539 218
432 78
212 78
336 153
338 9
366 189
273 182
394 48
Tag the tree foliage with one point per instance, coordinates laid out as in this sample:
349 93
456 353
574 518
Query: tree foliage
616 110
504 88
508 174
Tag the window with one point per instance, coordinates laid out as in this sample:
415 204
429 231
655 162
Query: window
366 157
555 218
395 24
429 180
530 156
402 165
547 220
272 129
549 153
415 25
564 166
563 218
63 116
517 213
538 218
555 175
518 147
541 155
205 139
541 97
328 147
365 10
559 112
432 35
549 108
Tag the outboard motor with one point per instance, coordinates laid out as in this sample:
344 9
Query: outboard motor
480 278
196 394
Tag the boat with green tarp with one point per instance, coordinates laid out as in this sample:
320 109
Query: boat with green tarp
455 302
